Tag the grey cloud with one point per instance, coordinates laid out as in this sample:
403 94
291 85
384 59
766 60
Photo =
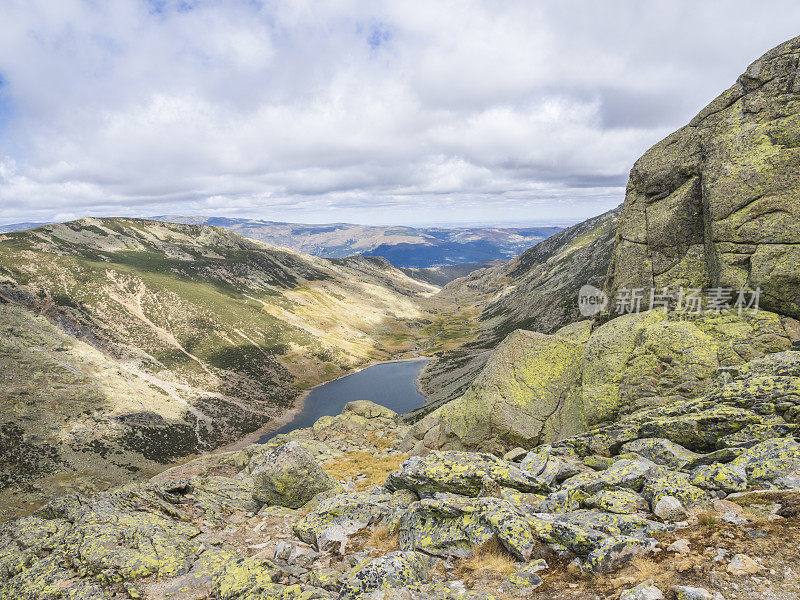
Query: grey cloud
375 111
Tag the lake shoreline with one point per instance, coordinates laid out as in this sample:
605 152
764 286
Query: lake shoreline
299 404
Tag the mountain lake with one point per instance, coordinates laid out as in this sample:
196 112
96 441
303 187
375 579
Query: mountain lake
390 384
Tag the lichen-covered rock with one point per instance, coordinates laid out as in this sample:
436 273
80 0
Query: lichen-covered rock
770 460
75 546
632 356
515 454
720 195
393 570
598 463
550 468
660 451
619 501
289 476
612 524
673 484
700 429
450 525
724 477
525 396
624 473
722 456
666 365
617 551
522 582
565 500
754 433
725 411
220 572
459 473
326 579
330 524
562 533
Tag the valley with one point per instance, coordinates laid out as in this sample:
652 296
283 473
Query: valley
404 247
129 344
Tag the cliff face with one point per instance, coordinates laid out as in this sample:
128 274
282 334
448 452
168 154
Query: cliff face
717 203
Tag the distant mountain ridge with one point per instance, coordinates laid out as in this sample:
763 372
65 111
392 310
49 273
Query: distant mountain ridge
407 247
11 227
404 247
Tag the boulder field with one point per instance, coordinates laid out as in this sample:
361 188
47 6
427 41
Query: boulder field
446 525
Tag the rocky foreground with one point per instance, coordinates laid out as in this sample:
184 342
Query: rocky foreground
336 511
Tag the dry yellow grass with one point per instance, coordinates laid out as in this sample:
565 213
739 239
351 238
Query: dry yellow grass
384 540
708 519
354 465
381 443
487 561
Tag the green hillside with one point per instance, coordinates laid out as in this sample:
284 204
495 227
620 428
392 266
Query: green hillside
186 338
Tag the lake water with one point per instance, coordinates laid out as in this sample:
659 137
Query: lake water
392 385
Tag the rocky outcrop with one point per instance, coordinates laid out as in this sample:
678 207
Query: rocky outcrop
536 291
716 203
288 476
752 404
525 394
540 388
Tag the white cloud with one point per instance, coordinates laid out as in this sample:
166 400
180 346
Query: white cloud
396 111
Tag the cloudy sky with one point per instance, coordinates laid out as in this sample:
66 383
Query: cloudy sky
371 112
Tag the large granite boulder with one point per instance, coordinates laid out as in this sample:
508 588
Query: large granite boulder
538 389
717 202
289 476
449 525
463 473
394 570
526 395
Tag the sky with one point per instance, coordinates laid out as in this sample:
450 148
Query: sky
385 112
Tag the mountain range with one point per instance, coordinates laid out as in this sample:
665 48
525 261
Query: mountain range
459 248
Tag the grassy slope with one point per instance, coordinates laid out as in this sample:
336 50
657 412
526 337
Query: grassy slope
212 333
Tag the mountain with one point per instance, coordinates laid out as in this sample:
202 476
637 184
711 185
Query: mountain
19 226
536 291
713 205
403 246
130 343
441 276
